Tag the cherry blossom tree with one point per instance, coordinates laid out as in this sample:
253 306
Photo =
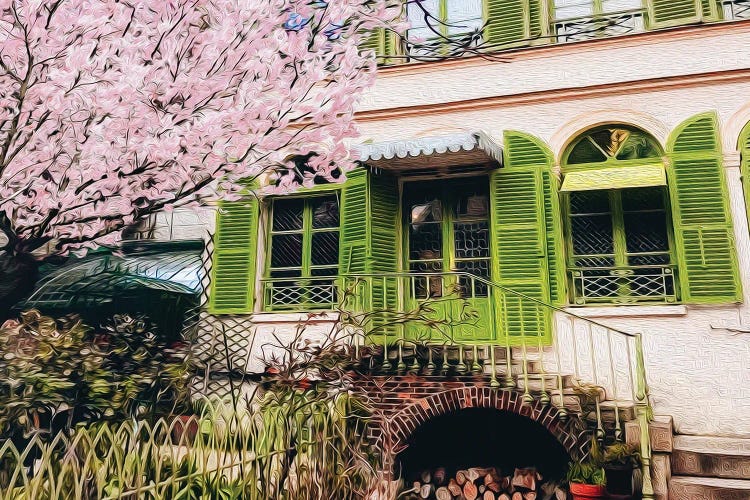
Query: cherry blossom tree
112 110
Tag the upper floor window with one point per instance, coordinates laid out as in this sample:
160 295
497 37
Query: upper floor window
620 246
432 21
303 253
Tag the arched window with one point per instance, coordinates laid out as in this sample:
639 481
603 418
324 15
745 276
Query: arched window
619 235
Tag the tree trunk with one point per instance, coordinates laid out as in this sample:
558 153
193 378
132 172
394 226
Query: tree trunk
18 275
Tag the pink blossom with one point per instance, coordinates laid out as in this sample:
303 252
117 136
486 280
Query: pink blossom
112 110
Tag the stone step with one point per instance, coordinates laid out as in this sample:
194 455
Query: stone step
710 456
708 488
548 382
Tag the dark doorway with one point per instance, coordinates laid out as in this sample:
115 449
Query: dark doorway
482 437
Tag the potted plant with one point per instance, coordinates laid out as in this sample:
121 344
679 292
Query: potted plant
587 480
620 460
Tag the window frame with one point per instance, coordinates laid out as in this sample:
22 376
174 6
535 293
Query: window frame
307 231
442 17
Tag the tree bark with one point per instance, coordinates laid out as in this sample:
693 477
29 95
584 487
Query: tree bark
18 275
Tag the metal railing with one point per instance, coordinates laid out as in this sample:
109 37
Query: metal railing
623 285
735 9
597 26
458 323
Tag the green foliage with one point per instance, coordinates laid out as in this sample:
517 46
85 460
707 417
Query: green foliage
586 473
54 374
622 454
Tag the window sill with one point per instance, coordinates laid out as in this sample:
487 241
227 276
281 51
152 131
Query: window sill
295 317
628 311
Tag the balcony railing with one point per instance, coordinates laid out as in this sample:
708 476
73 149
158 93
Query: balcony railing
623 285
589 27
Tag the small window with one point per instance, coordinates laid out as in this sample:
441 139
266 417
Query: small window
611 145
304 253
576 20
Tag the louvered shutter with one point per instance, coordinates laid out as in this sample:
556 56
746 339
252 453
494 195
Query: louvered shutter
383 255
666 13
703 224
553 228
234 260
513 23
520 236
353 247
381 42
745 168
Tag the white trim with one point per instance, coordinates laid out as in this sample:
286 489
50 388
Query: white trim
628 311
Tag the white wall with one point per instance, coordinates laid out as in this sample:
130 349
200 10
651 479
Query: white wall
698 371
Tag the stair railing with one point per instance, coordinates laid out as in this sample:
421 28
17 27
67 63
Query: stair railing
460 323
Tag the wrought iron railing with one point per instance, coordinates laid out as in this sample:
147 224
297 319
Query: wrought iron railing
736 9
458 323
303 294
623 285
597 26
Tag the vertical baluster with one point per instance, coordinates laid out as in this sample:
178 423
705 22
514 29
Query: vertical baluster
401 366
508 379
562 411
599 425
445 367
475 366
430 364
461 366
415 363
613 374
493 368
574 335
544 398
527 397
644 412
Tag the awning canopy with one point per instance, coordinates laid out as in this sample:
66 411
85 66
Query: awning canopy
615 178
476 148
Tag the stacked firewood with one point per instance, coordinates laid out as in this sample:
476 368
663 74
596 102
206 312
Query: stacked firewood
484 483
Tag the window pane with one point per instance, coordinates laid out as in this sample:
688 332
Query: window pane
286 250
592 234
325 212
287 214
471 240
643 199
325 248
638 145
609 6
464 16
418 18
646 232
474 204
585 152
426 241
589 202
565 9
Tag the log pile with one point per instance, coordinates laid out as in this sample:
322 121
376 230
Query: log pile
484 483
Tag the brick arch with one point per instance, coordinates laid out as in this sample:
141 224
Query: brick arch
403 423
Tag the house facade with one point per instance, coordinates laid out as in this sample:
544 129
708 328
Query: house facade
569 204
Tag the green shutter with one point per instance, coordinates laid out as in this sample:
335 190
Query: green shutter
555 245
666 13
369 239
744 147
514 23
234 260
520 247
700 206
382 42
353 246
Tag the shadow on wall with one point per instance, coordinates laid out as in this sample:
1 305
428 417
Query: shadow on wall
482 437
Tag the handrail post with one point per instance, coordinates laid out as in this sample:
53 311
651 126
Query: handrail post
644 414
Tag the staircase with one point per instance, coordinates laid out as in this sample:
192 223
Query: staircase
710 468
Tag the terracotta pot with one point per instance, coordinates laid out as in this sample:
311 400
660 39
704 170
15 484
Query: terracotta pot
587 491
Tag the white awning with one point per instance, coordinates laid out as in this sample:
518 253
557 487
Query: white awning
468 149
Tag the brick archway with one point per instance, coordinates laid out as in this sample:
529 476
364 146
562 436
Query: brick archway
403 423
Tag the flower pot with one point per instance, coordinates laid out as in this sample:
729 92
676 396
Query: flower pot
587 491
619 479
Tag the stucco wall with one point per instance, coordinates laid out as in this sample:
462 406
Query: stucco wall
699 372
